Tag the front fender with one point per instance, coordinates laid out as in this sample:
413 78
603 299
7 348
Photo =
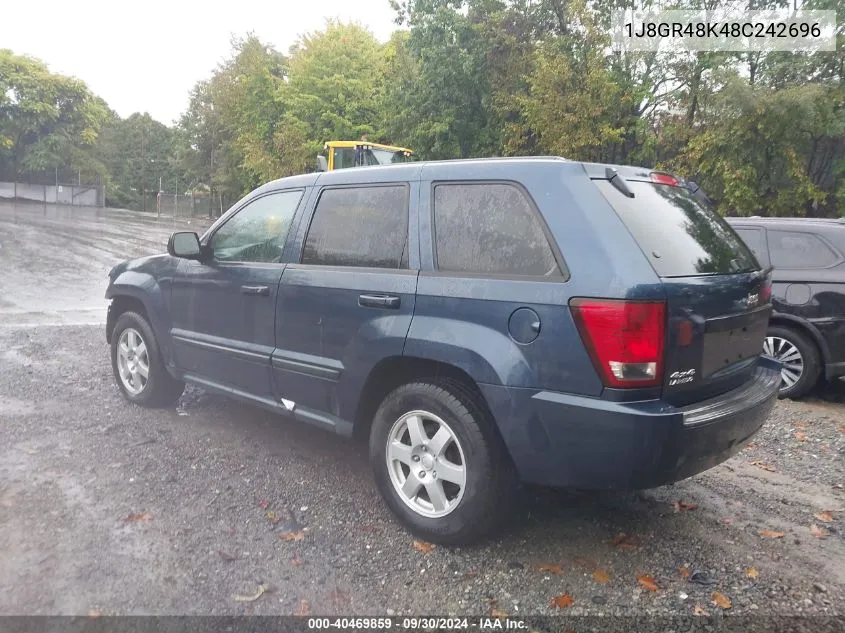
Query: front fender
144 288
488 356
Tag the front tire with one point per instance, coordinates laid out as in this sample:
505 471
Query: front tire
439 464
800 359
137 364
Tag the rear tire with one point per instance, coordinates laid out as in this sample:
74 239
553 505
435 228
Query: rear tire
436 437
134 353
800 357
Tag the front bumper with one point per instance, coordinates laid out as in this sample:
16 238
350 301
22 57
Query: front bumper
565 440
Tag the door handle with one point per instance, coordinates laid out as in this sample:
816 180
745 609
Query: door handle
263 291
378 301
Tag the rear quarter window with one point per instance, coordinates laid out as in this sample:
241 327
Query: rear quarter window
797 249
679 233
490 228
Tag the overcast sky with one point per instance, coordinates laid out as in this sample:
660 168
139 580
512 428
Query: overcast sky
146 55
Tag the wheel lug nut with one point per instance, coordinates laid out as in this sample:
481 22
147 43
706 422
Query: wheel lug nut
415 458
422 474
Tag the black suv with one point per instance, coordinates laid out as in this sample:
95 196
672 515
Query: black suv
807 330
481 322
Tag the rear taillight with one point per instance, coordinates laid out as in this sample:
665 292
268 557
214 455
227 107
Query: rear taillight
625 339
766 290
664 179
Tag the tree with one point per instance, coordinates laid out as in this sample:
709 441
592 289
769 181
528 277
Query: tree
136 152
759 150
47 120
227 138
332 91
447 109
244 92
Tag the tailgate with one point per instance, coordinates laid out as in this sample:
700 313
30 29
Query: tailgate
716 327
718 302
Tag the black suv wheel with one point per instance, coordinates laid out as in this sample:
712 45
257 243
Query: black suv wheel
439 465
799 357
137 365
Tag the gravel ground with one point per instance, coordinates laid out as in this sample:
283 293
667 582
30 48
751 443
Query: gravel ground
113 509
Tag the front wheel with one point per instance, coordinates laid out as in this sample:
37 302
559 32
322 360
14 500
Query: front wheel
439 464
799 358
137 365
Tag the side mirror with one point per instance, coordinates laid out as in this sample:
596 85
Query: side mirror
322 163
184 244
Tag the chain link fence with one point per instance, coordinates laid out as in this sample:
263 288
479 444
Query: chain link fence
190 205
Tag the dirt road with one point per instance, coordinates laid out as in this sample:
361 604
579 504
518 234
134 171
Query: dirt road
219 508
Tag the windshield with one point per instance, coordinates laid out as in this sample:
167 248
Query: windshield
383 157
679 233
345 157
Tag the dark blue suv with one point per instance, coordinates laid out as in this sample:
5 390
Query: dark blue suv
482 322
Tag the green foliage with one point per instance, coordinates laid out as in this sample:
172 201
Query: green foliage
444 106
46 120
137 151
333 84
226 140
759 153
764 133
571 105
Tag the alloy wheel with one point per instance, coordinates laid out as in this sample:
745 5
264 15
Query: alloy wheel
133 361
792 362
426 464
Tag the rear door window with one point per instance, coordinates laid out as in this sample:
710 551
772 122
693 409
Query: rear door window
490 228
359 226
679 233
793 249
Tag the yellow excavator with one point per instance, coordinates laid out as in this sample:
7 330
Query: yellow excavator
343 154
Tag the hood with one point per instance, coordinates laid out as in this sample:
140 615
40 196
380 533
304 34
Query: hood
149 263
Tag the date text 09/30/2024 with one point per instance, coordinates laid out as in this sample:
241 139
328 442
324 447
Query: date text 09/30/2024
419 624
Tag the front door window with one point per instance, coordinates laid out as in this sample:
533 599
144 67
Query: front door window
257 233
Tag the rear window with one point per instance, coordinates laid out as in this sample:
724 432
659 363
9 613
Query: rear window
679 233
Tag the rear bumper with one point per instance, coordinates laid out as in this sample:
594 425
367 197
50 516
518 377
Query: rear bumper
564 440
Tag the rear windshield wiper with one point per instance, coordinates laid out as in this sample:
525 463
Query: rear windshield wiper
618 182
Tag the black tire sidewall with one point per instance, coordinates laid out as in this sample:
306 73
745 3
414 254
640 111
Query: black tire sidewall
809 353
470 519
161 387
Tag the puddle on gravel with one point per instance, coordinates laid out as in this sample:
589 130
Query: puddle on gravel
13 406
14 355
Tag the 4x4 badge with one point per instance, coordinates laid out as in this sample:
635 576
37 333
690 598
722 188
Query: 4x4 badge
681 377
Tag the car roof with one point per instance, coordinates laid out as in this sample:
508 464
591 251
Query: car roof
411 171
